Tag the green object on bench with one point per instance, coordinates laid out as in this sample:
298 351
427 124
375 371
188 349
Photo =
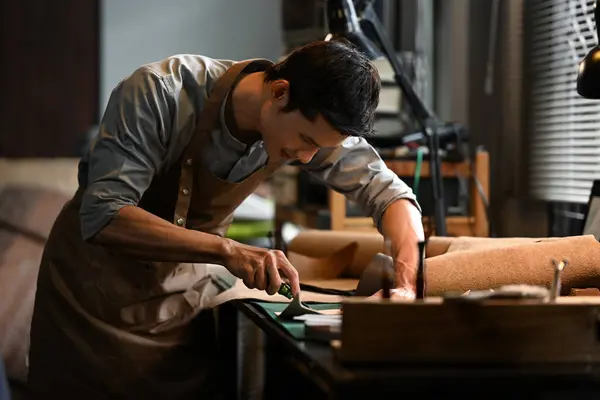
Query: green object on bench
294 328
243 230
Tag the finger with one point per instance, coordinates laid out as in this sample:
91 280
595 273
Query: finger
290 273
260 279
273 274
376 296
403 293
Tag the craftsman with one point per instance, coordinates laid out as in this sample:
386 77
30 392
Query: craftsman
121 305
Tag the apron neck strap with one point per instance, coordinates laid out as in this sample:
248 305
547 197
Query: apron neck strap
209 116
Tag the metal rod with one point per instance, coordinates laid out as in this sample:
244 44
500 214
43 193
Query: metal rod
428 121
556 282
421 285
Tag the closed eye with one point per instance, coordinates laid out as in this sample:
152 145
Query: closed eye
309 140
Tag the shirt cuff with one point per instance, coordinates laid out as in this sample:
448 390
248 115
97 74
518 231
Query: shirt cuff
380 211
96 212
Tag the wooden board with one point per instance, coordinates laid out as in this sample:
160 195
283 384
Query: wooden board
494 332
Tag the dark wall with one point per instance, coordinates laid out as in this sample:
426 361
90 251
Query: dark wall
498 120
50 70
486 112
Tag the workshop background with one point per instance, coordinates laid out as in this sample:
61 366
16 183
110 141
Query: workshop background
504 70
64 58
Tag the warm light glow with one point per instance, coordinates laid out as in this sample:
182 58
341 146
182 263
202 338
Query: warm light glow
581 67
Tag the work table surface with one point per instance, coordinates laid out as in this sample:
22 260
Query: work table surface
304 368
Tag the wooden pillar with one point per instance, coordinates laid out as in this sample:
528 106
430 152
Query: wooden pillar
482 175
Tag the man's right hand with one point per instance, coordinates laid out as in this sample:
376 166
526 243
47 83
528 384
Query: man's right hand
138 233
260 268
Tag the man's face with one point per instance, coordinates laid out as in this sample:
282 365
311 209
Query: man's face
289 135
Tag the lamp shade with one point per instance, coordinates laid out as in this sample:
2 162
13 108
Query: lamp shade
588 75
342 22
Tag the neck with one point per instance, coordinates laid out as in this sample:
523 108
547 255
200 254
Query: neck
244 107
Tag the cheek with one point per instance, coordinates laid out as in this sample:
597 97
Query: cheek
271 137
272 131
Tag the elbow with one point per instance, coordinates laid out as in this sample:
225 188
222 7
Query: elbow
99 237
405 208
96 226
96 239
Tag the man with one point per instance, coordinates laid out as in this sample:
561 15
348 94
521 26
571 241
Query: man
120 309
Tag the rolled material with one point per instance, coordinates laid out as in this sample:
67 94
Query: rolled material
438 245
322 243
331 266
530 263
480 243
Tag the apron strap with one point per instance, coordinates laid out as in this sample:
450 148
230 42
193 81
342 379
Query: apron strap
208 121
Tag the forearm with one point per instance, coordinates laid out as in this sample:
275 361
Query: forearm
403 228
140 234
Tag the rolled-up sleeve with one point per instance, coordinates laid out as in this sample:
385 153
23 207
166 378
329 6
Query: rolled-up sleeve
129 149
357 171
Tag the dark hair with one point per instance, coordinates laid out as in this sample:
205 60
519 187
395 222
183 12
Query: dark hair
334 79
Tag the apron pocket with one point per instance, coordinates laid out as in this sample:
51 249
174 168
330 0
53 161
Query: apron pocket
123 282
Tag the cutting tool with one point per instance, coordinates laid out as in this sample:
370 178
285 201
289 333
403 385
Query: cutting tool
286 290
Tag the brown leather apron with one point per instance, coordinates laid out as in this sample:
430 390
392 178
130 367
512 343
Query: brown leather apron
109 326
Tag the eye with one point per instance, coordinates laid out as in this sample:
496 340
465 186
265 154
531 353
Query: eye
308 140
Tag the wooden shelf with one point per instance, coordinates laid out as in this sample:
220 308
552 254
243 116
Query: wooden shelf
475 224
408 168
456 225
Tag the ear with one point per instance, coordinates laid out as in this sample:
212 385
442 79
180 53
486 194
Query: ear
280 92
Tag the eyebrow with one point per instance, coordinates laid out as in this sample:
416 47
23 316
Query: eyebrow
309 139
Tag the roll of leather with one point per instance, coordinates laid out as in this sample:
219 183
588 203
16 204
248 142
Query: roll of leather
438 245
323 243
479 243
327 267
529 263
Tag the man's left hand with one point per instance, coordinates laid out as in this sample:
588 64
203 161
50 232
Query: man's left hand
403 230
396 294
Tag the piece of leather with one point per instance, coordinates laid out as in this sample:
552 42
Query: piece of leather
328 267
344 285
529 263
239 291
296 308
372 279
584 292
464 243
323 243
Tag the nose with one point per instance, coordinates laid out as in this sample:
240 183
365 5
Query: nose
305 156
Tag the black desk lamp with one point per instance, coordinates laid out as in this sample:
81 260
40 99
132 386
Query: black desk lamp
588 77
344 21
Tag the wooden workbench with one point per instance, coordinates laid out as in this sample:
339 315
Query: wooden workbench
297 369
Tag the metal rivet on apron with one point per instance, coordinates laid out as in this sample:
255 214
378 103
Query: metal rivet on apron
185 192
179 221
188 162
